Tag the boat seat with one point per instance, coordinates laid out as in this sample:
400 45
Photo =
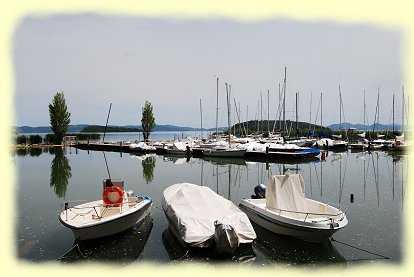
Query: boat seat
318 219
111 182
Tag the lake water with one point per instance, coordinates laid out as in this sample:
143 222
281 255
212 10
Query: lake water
370 185
132 136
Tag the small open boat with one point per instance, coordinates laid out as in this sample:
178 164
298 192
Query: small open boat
121 249
224 151
117 211
178 148
286 211
198 217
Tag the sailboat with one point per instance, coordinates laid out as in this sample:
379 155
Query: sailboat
399 143
361 143
225 150
336 143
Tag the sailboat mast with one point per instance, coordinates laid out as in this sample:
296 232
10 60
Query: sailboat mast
279 110
340 109
393 130
228 112
284 102
268 122
378 107
321 113
297 127
376 113
247 120
107 118
364 110
257 123
402 110
217 110
261 112
310 113
201 120
238 116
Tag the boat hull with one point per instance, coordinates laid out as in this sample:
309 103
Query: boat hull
236 153
357 146
110 227
301 154
289 227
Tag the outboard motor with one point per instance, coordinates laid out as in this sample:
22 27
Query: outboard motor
225 237
260 191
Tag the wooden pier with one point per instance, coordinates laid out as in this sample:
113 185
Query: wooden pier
113 147
254 156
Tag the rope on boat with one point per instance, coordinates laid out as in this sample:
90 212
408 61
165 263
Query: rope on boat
73 247
384 257
186 253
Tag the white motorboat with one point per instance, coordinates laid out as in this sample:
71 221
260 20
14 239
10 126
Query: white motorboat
198 217
224 151
141 147
361 143
178 148
117 211
122 249
286 211
332 144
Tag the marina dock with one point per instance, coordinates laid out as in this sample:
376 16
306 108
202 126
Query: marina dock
198 152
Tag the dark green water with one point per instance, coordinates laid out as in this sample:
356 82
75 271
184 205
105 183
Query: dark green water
47 178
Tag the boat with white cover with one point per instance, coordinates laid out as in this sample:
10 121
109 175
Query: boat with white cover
198 217
141 146
117 211
285 210
332 144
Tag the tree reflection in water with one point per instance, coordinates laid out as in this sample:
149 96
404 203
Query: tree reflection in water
148 165
60 172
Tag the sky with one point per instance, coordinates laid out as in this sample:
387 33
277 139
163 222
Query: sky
98 59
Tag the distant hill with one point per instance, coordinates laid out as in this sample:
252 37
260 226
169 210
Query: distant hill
111 128
166 128
47 129
108 129
173 128
378 127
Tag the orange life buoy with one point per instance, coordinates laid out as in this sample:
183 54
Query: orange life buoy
113 189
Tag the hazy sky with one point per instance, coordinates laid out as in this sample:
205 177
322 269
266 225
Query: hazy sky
97 59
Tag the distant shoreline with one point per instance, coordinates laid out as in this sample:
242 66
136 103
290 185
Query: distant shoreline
78 128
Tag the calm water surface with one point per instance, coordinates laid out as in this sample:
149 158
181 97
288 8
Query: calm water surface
370 186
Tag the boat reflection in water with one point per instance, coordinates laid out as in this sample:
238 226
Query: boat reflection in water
122 248
286 249
177 252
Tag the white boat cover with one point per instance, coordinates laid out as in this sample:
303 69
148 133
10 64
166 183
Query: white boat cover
141 145
362 135
193 209
178 145
287 193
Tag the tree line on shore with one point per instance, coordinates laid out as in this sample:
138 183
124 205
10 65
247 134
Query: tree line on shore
60 120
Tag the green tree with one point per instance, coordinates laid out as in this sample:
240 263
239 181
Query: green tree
148 166
59 116
147 121
60 172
